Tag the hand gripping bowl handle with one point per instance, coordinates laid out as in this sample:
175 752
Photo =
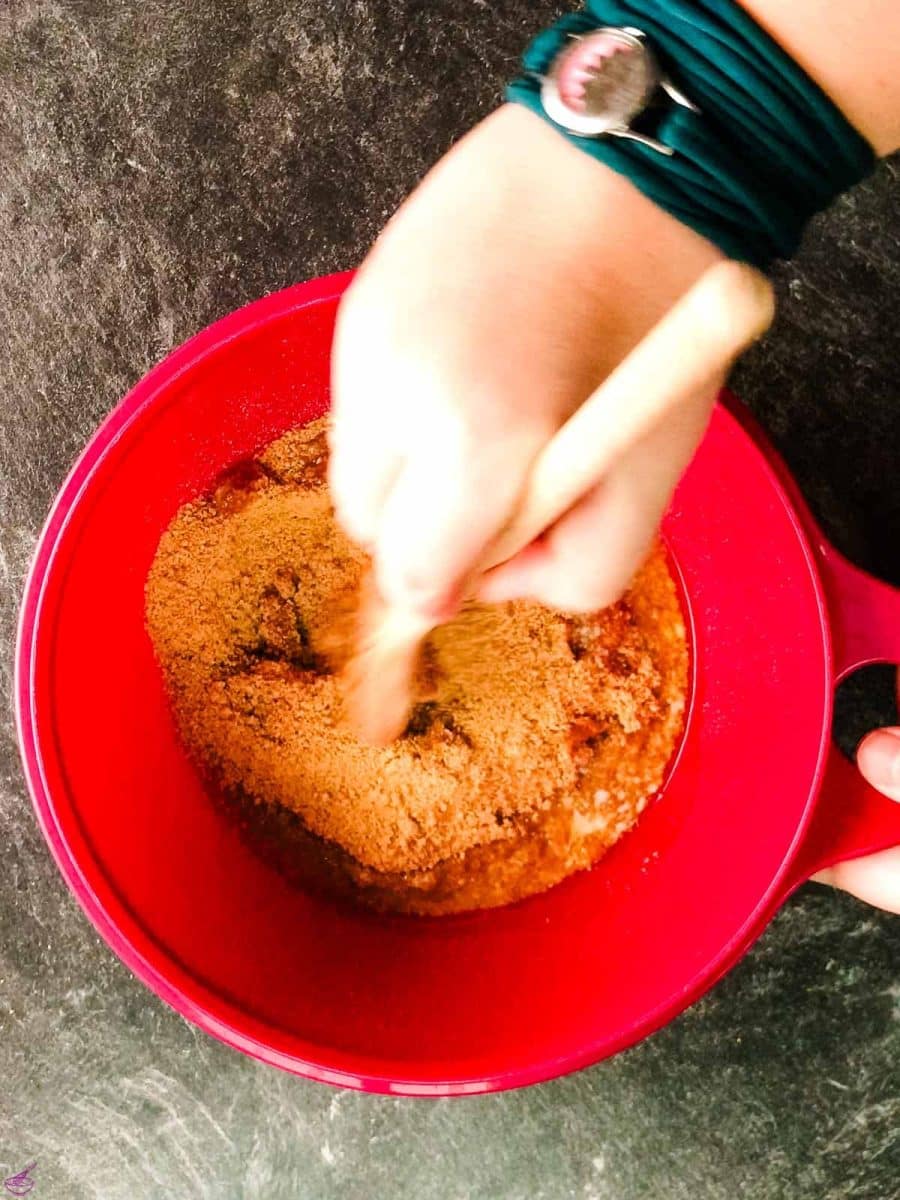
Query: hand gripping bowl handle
851 818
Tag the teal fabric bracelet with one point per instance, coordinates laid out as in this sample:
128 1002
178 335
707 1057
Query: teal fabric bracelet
766 151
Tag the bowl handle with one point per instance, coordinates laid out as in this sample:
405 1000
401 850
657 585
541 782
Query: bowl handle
851 818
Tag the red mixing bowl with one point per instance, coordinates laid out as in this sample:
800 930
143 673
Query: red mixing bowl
757 800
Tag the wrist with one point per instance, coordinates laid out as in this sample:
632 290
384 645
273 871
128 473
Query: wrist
620 243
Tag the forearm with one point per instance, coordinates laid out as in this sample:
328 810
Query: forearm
851 49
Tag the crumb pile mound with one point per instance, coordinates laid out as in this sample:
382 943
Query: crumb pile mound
536 739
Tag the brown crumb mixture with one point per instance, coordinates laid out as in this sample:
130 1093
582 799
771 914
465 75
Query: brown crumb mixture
536 740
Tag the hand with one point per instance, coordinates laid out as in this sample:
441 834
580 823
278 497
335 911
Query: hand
876 878
510 284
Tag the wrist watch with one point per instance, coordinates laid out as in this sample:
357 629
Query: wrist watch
603 81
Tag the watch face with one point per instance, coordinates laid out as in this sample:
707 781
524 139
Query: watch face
600 82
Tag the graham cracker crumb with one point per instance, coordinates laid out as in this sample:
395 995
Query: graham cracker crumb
535 741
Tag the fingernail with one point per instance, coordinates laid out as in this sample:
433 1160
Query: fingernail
882 750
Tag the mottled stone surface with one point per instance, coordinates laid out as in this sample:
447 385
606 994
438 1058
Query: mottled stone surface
160 163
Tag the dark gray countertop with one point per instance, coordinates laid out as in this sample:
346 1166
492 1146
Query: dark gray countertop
160 164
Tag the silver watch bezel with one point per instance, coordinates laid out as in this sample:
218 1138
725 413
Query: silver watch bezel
614 121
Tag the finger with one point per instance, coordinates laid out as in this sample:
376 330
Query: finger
878 759
588 558
451 498
585 561
365 450
874 879
362 469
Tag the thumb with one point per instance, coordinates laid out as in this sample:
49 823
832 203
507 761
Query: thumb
879 760
451 499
